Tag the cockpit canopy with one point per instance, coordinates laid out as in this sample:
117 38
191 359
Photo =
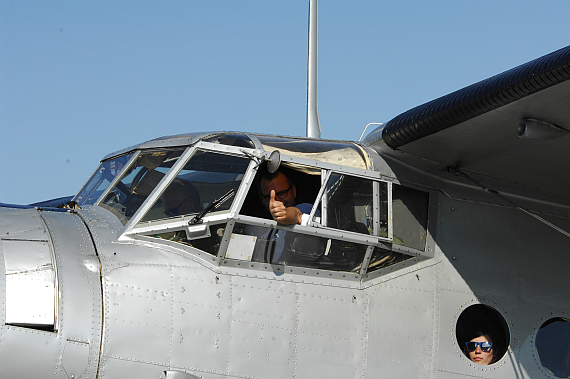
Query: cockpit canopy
204 196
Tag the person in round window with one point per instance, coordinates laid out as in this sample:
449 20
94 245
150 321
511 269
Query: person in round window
480 349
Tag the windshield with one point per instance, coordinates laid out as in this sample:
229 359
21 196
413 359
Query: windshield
100 180
139 181
206 178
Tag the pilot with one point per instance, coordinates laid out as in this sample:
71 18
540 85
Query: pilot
480 349
278 194
180 198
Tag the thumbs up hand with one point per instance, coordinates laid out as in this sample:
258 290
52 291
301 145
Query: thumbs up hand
277 208
282 214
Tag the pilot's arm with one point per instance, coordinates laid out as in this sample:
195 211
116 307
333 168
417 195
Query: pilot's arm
284 215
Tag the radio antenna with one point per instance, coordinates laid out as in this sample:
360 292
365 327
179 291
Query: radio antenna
313 124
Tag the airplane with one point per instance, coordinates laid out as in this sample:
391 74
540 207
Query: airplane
450 219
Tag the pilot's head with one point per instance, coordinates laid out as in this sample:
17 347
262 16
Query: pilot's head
180 198
281 183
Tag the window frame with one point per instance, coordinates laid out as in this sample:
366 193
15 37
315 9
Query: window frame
113 183
136 227
376 212
135 230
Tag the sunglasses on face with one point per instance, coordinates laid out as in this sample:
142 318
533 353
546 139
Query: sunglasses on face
485 346
281 195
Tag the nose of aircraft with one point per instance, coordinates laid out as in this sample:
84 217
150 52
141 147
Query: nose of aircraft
52 313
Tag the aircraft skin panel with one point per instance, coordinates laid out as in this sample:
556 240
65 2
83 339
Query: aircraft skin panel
502 257
515 252
402 331
80 299
545 263
20 346
73 347
24 224
138 309
479 238
144 325
331 332
263 327
123 368
201 319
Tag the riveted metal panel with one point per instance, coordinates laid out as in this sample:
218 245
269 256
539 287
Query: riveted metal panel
331 332
200 319
21 224
21 346
403 326
449 278
80 310
479 238
263 328
119 368
75 358
544 263
138 313
79 301
547 291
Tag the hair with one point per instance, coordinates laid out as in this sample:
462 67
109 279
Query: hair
264 174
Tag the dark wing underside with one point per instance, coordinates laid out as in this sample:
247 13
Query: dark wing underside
475 128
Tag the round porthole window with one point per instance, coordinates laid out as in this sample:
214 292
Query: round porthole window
553 346
482 334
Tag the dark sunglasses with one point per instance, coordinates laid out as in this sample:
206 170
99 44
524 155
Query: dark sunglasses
485 346
279 195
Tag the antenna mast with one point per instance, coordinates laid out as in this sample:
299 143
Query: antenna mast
313 124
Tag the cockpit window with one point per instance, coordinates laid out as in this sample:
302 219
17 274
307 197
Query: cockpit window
138 182
206 177
100 180
277 245
410 216
348 204
345 219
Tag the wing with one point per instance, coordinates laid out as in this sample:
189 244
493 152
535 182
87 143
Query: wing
475 129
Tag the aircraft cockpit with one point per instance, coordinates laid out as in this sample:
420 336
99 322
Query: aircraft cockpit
204 197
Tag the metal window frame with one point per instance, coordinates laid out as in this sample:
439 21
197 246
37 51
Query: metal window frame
134 226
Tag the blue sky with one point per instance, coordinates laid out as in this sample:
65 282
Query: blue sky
81 79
